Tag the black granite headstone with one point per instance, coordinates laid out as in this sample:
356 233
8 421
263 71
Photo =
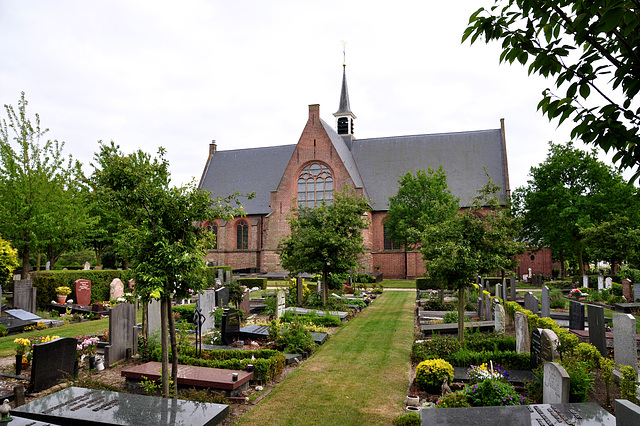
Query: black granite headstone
597 336
230 326
536 348
222 297
52 362
576 315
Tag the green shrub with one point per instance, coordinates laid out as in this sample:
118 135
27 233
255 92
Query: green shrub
424 283
616 289
507 359
291 338
253 282
363 278
431 373
490 393
561 284
489 342
453 400
450 317
436 305
630 274
407 419
3 330
436 347
324 321
211 273
186 311
628 383
581 379
589 354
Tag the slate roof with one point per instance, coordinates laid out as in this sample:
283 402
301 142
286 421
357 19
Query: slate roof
375 164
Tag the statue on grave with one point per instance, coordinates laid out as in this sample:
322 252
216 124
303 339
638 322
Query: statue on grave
445 389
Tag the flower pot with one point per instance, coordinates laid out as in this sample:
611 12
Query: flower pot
18 364
412 401
99 364
62 299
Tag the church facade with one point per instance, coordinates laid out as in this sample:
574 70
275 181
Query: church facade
325 160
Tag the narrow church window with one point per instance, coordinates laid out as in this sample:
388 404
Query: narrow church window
213 228
389 244
315 184
242 236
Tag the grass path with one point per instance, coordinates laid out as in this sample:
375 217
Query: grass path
359 376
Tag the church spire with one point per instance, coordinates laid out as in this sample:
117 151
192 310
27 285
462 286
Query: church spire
344 116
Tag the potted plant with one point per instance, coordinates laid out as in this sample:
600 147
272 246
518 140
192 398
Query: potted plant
62 292
21 347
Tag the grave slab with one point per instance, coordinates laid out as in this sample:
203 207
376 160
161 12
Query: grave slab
429 329
582 414
79 406
23 315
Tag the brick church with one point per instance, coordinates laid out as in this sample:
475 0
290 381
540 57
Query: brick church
324 160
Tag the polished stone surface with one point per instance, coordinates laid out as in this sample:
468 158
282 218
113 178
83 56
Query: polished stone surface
584 414
52 362
80 406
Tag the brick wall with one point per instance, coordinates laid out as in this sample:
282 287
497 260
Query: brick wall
540 262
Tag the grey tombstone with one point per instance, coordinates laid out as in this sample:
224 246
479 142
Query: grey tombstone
531 302
499 319
123 334
555 387
222 297
24 295
625 346
52 362
549 342
319 287
207 304
480 308
627 413
87 266
221 275
280 303
576 315
523 342
504 290
512 287
600 282
597 336
483 287
47 266
217 282
116 289
636 293
545 302
585 281
487 307
153 317
608 283
498 290
227 276
535 349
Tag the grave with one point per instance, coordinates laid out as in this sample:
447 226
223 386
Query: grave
52 362
207 304
512 287
626 308
216 379
429 329
83 292
535 349
627 290
499 318
555 388
531 302
597 336
230 329
154 317
488 308
549 345
627 413
319 313
15 325
636 293
80 406
245 304
261 332
504 290
600 282
608 283
576 315
498 291
222 297
123 334
116 289
585 281
221 275
227 276
523 343
280 303
545 303
624 340
24 295
579 414
480 308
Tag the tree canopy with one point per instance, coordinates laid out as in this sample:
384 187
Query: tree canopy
570 191
592 51
327 238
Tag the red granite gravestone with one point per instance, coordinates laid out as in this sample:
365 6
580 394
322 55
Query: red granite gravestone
627 289
83 292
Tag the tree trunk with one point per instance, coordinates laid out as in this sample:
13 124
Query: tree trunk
563 270
461 313
174 350
24 274
38 267
580 263
325 288
165 350
145 332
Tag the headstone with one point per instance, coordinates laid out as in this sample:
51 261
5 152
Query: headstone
608 283
536 348
227 276
48 265
529 273
83 292
24 295
512 287
245 304
555 388
545 302
18 395
154 317
123 334
597 336
81 406
531 302
627 413
207 304
280 303
636 293
480 307
217 283
549 342
87 266
52 362
624 340
222 297
221 275
499 291
299 290
627 289
585 281
523 342
483 287
230 329
499 319
576 315
116 289
504 290
319 289
600 282
487 307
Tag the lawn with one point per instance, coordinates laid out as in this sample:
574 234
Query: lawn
342 382
399 283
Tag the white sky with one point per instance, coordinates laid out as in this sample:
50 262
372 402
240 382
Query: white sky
179 74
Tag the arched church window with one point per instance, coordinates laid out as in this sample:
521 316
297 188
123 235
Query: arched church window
314 185
389 244
213 243
242 235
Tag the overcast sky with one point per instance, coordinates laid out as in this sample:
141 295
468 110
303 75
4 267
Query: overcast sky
179 74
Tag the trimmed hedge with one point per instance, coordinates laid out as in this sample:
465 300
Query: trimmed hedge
185 311
253 282
507 359
267 365
46 282
424 283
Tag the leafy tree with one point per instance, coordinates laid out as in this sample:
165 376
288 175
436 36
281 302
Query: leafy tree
615 240
589 47
40 209
478 240
326 239
8 261
571 190
164 239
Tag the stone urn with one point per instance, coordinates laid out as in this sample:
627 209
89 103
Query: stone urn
412 401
